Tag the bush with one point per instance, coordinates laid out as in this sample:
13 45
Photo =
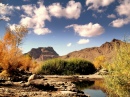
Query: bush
118 80
53 66
10 53
79 66
25 62
67 67
99 62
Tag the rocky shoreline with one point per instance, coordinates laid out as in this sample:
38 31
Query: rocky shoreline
45 86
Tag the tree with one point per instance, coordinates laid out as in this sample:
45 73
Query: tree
10 53
118 80
99 61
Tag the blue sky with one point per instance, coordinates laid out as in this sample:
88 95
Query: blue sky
66 25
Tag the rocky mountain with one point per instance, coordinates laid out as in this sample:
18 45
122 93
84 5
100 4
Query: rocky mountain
107 49
43 53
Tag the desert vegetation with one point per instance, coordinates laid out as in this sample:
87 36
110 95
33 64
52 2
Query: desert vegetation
99 62
118 80
12 60
11 57
67 67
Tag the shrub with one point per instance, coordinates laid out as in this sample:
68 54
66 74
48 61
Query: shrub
67 67
10 53
99 62
79 66
25 62
53 66
34 66
118 80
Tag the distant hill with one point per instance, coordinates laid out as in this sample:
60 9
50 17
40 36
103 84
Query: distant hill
107 49
43 53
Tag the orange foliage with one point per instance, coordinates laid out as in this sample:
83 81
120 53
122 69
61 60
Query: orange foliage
10 54
25 62
35 67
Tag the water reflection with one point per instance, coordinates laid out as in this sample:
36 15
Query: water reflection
94 93
84 84
93 88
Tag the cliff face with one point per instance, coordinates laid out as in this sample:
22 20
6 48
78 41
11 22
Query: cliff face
43 53
107 49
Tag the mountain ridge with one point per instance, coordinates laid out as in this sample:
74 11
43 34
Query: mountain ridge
43 53
107 49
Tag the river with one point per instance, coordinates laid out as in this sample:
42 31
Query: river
93 88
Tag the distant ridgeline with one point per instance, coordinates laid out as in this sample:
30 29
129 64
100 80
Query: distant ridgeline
42 53
107 49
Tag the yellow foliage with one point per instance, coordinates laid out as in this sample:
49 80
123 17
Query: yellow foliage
35 67
99 83
99 62
119 72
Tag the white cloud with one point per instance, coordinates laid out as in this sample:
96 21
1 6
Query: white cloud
87 30
124 11
56 10
96 4
72 10
94 15
111 16
100 10
35 17
41 31
5 18
6 11
83 41
119 23
124 8
28 9
17 7
69 44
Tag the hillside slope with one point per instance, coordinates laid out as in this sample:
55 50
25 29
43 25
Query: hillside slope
107 49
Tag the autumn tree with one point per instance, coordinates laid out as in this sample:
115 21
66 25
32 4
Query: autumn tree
99 61
26 60
117 81
10 52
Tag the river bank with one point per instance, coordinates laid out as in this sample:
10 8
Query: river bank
45 86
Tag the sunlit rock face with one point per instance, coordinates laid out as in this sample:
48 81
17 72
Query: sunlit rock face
43 53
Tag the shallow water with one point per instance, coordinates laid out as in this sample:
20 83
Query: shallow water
94 93
92 88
